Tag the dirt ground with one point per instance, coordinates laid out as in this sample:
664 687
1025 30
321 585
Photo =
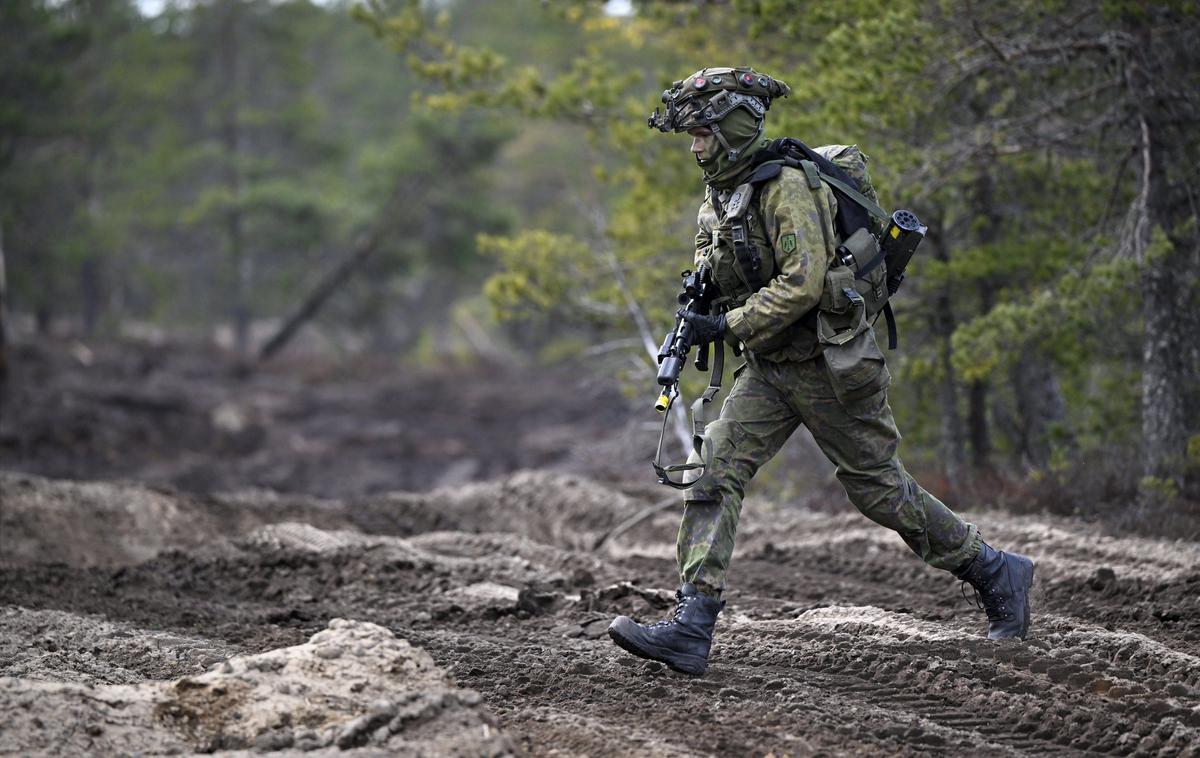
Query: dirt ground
145 613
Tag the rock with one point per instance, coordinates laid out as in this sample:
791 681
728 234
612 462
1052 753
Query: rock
329 652
537 602
1101 578
484 596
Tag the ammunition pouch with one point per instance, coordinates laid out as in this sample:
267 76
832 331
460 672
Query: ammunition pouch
855 290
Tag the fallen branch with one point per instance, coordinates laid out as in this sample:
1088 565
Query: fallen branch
633 521
321 293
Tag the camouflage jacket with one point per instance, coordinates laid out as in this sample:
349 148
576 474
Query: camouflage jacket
792 228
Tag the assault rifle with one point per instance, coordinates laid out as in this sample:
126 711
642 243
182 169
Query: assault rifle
697 296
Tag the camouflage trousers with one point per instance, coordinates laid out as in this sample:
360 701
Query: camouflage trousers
766 404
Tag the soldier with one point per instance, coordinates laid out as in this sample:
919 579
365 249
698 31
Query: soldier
772 308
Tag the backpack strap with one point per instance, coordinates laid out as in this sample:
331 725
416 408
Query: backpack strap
766 172
867 203
890 318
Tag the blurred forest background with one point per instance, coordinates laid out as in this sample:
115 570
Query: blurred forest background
472 181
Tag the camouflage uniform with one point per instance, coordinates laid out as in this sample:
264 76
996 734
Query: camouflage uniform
811 358
787 381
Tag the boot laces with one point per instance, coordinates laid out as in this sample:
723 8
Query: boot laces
988 601
681 602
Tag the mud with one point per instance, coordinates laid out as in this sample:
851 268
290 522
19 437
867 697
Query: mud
835 640
137 615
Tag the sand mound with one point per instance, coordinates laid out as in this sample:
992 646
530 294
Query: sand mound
115 523
353 685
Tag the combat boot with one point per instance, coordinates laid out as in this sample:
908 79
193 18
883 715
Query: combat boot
1001 581
683 641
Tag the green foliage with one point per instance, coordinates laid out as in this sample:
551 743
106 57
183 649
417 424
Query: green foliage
238 147
1027 216
221 152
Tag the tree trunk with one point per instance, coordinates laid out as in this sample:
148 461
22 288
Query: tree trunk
1169 294
1164 429
977 424
320 294
942 324
984 207
90 294
3 323
231 137
1040 408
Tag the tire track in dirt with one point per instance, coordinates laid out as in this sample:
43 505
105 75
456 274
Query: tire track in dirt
519 616
1042 696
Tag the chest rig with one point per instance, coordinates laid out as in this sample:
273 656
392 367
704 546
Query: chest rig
734 209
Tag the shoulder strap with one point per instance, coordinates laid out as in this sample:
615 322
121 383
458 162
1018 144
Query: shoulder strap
891 324
766 172
870 205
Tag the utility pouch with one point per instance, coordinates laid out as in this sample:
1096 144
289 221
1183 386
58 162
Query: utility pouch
847 316
855 289
856 367
836 293
861 254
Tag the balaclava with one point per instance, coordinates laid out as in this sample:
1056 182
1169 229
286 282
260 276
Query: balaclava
739 128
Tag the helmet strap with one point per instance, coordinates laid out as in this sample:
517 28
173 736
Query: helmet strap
731 151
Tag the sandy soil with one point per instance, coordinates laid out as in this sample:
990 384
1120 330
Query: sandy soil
835 641
151 618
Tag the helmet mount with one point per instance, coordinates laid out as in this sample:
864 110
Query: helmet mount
709 95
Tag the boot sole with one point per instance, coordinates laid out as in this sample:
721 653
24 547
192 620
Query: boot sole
654 654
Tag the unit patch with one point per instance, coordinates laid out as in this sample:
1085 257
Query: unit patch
788 242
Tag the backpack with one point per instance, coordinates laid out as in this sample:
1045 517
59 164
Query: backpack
872 256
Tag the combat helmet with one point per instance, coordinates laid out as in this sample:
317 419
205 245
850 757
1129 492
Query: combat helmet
709 95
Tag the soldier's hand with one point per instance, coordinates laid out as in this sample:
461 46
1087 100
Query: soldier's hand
704 328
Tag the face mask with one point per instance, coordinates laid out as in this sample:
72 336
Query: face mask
739 128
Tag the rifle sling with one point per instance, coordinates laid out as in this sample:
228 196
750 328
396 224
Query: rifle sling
699 424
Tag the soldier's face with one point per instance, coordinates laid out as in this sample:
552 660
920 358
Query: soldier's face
704 143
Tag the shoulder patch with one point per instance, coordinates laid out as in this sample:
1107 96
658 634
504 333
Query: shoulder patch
788 242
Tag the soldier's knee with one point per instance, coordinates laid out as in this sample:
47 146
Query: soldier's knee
891 503
722 437
722 478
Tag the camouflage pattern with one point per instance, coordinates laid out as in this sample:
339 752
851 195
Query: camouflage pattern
788 381
797 225
766 404
687 99
852 160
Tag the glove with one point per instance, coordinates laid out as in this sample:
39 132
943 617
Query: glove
704 328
